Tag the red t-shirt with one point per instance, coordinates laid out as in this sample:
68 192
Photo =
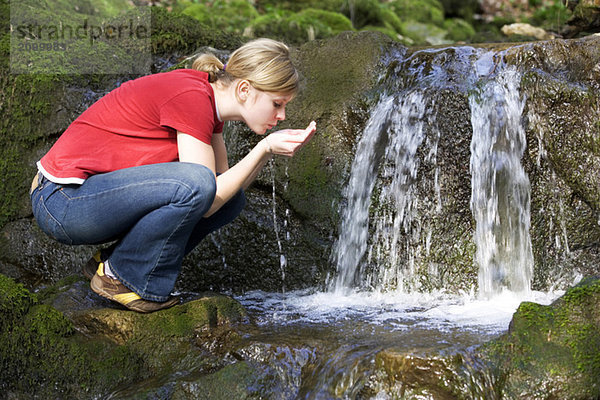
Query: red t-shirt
135 124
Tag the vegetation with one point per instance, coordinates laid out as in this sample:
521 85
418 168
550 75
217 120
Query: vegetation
412 22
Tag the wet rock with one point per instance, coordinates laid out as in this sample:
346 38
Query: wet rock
36 341
30 256
266 247
437 377
179 321
553 350
231 382
562 158
548 352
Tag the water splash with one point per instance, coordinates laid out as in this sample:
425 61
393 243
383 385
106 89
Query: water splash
500 190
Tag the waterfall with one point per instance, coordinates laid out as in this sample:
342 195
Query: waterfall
500 191
354 232
384 235
386 151
397 199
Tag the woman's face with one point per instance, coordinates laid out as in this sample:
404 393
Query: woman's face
263 110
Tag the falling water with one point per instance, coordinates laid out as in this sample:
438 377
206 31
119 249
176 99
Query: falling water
500 191
394 229
380 245
354 233
282 257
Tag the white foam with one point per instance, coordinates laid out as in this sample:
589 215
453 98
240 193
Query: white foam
439 310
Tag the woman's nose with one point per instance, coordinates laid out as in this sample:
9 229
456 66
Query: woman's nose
281 114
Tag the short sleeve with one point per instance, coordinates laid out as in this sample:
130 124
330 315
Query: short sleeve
191 112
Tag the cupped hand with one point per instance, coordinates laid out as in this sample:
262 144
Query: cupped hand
287 142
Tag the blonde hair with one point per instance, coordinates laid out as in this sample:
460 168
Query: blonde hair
265 63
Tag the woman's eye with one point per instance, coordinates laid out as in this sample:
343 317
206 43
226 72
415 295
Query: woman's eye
276 105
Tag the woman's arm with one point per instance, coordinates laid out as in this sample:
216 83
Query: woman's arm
285 142
218 145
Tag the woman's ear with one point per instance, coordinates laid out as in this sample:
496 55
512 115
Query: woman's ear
242 90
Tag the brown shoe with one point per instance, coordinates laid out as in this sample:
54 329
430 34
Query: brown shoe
89 269
114 290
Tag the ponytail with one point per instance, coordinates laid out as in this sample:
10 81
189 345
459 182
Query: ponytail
210 64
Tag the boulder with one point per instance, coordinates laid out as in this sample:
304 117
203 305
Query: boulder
522 29
95 348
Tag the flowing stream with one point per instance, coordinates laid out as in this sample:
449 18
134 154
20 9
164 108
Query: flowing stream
322 344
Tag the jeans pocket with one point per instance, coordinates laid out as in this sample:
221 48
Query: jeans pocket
46 221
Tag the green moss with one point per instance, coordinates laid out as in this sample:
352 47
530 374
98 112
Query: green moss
36 341
335 22
363 12
27 103
424 33
579 317
15 301
265 6
558 342
174 33
296 28
550 15
425 11
391 33
231 16
182 321
459 29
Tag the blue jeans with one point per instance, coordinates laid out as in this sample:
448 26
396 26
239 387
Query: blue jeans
154 212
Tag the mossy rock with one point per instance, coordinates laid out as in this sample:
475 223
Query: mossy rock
336 22
554 349
176 33
425 34
234 381
363 12
459 30
338 77
585 18
265 6
548 352
300 27
427 12
181 321
223 15
36 341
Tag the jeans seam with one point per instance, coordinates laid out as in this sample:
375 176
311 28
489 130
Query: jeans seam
41 206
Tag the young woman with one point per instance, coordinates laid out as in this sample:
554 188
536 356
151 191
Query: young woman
146 166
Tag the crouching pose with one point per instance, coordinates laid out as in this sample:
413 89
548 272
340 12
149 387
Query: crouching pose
145 167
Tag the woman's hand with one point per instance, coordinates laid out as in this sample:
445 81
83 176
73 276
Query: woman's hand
287 142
